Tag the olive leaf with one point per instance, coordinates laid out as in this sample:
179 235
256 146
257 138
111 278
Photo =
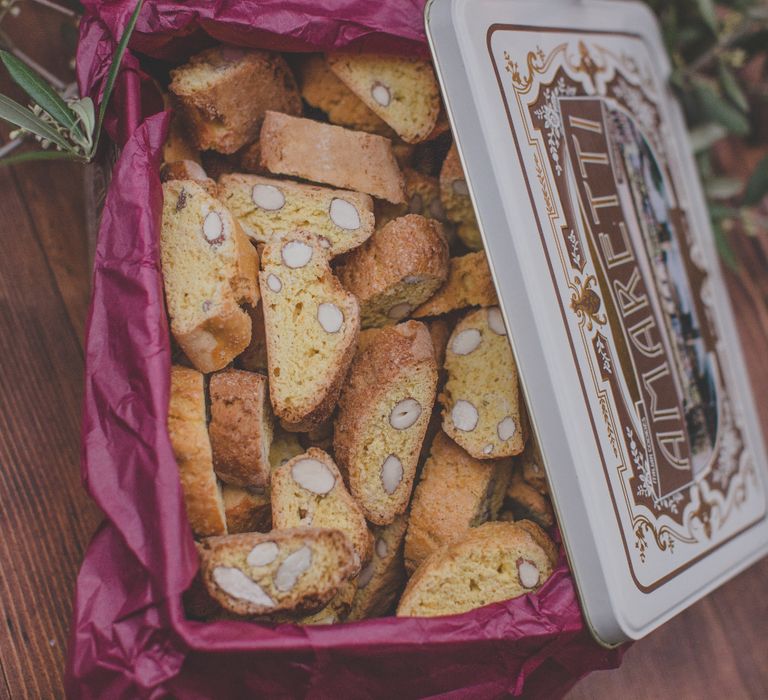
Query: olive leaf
714 108
114 69
41 93
20 116
757 185
73 126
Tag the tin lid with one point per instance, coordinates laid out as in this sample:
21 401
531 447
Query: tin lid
598 238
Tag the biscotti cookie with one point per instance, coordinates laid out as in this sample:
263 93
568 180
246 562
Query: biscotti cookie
422 197
482 405
397 269
188 432
323 90
241 427
455 492
224 92
308 491
284 570
254 357
456 202
285 446
209 268
350 160
403 91
265 206
380 582
246 510
383 414
469 283
531 466
336 611
186 170
249 158
493 562
523 502
312 325
178 146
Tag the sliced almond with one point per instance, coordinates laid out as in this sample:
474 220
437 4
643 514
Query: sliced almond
495 321
293 566
330 317
464 416
344 214
274 283
436 209
314 476
391 474
414 279
506 428
488 449
381 548
237 585
416 205
366 575
213 227
528 573
268 197
460 187
381 94
262 554
296 254
466 341
399 311
405 414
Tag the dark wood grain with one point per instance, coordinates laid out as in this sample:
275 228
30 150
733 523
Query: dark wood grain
46 518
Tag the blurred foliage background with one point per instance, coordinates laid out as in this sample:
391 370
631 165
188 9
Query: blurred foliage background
719 52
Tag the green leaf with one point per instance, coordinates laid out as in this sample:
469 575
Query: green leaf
708 13
37 155
724 247
731 87
757 185
40 92
114 69
84 110
714 108
723 188
705 136
19 115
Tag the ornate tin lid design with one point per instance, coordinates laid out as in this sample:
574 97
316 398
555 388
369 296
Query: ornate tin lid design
659 432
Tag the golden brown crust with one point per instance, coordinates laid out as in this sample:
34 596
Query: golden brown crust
455 492
450 564
524 501
247 511
331 564
352 160
192 449
323 90
303 416
399 355
246 282
225 112
294 505
380 582
396 269
204 278
469 283
241 427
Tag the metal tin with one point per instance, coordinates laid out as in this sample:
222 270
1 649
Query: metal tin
598 238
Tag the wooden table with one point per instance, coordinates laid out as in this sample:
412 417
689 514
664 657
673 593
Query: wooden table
719 647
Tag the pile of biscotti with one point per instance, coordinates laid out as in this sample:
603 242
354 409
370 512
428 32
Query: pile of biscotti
345 408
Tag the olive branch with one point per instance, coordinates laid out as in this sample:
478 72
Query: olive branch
67 128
